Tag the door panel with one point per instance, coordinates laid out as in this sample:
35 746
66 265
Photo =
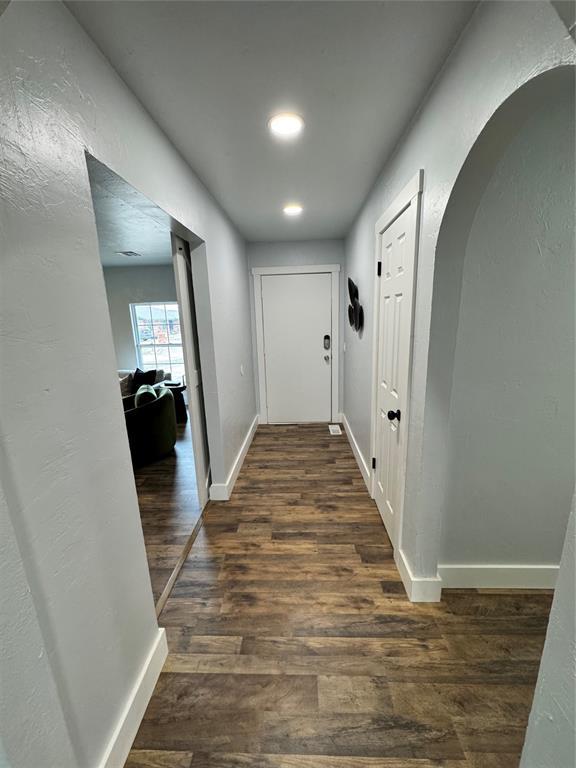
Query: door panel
396 248
297 314
185 293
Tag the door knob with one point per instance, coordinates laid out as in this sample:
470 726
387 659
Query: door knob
394 415
327 358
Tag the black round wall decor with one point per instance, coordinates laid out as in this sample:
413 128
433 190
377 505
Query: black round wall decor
351 315
352 290
355 310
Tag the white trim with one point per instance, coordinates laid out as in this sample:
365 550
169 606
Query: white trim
335 351
223 491
317 269
261 367
410 194
186 306
129 721
360 460
401 202
497 576
305 269
420 589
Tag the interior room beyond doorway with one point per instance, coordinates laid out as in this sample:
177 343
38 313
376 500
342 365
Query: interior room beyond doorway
151 330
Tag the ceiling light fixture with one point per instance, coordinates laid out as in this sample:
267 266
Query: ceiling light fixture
286 125
293 209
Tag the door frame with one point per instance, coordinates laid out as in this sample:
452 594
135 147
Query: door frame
182 263
410 195
334 271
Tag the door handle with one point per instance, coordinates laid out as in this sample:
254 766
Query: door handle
327 358
327 341
394 415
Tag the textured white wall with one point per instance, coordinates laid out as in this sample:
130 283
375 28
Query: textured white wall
130 285
72 502
511 424
551 738
298 254
25 665
504 46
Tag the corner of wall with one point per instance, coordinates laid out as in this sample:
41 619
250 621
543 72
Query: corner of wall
420 589
363 465
223 491
126 728
550 735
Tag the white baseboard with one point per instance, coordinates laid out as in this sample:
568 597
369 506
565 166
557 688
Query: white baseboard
360 460
420 589
125 731
223 491
497 576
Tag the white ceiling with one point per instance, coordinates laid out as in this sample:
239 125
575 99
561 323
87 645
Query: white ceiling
211 73
127 221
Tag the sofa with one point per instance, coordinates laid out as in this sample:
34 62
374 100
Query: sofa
151 426
126 378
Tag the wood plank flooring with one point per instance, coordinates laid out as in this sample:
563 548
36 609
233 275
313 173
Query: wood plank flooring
293 645
169 508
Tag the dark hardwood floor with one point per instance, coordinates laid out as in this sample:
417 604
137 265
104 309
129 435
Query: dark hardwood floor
169 508
293 645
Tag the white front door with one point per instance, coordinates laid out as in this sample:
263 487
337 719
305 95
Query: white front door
396 251
297 336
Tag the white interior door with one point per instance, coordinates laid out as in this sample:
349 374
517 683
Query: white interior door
183 278
296 319
397 252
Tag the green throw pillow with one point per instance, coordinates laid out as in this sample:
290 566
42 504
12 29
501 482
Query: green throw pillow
145 394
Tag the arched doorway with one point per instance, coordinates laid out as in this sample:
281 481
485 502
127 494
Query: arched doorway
499 433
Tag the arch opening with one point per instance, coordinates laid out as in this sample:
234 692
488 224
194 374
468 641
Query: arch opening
499 442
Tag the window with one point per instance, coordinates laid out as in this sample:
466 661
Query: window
157 338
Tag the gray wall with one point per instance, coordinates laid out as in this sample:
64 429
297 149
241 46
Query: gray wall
78 589
24 665
482 72
129 285
550 738
298 254
295 254
510 474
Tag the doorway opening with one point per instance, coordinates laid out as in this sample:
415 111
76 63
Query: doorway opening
147 270
501 361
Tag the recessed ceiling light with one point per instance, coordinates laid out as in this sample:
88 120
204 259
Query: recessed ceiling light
286 125
293 209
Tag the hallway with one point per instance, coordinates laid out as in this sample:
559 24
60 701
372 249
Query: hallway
293 645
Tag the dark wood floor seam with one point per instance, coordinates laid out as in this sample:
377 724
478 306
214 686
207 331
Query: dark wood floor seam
178 567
